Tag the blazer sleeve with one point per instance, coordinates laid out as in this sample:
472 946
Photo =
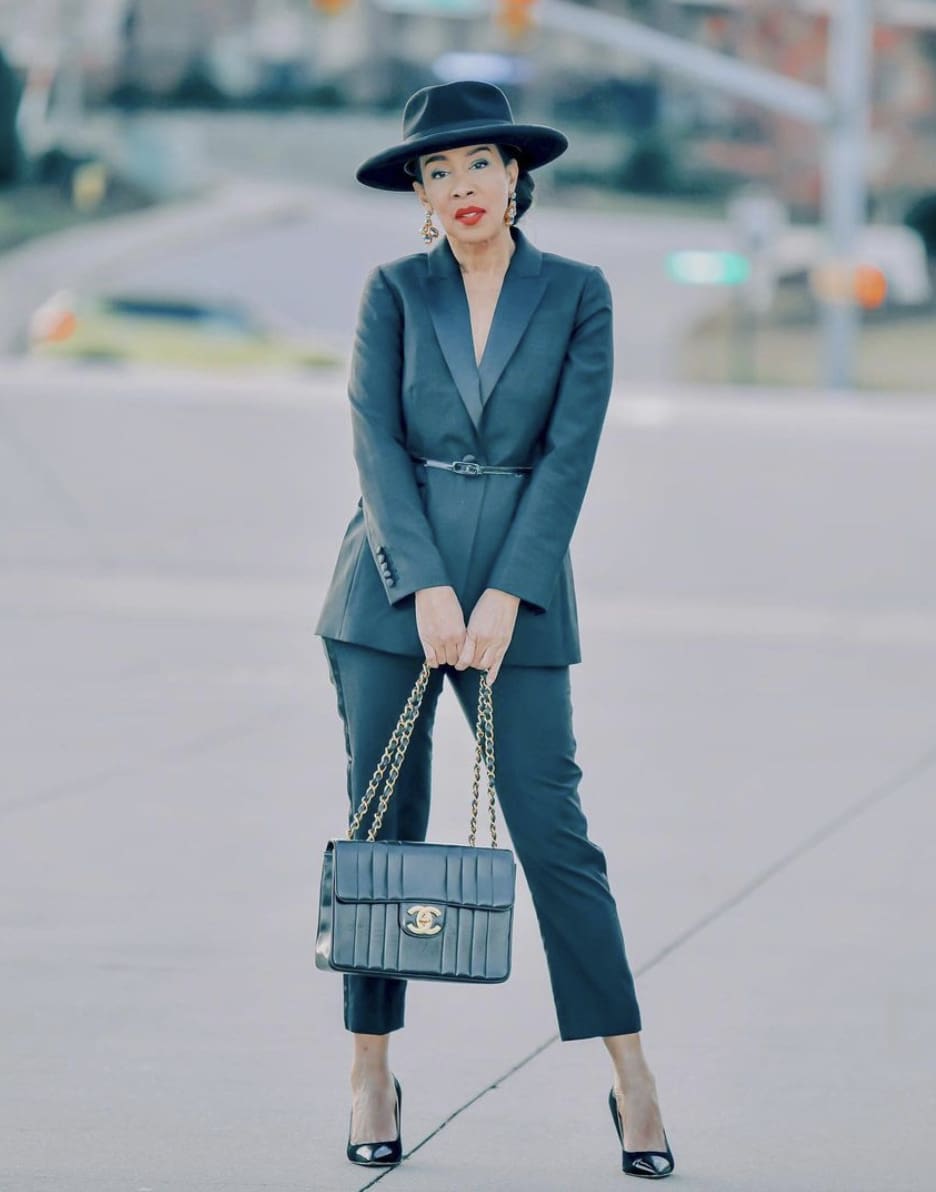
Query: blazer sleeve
530 558
398 531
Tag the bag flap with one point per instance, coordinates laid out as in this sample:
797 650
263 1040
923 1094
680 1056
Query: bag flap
396 871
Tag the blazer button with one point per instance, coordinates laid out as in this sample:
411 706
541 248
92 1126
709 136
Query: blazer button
390 582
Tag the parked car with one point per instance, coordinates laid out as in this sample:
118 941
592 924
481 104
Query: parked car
166 330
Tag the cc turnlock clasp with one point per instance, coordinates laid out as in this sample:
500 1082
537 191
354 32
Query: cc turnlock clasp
423 920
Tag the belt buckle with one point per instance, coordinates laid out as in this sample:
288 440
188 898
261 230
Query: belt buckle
466 467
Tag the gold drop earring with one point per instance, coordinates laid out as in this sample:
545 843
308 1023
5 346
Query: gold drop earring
511 213
429 231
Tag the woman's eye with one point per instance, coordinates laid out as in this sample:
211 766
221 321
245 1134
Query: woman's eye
438 172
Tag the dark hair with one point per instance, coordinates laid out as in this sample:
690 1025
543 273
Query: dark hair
525 182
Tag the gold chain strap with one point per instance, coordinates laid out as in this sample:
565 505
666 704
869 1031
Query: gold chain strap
395 749
484 744
395 752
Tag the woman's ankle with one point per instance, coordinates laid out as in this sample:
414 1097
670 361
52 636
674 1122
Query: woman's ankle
370 1061
636 1085
371 1075
631 1071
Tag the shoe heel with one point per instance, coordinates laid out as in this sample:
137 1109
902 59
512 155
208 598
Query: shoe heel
649 1165
380 1154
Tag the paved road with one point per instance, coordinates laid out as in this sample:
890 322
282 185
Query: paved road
756 729
305 271
301 256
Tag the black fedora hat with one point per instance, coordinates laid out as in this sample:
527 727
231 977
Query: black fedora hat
447 115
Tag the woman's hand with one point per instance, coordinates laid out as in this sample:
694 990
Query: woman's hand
490 628
440 623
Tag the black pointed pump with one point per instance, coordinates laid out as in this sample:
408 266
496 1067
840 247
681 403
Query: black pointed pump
651 1165
380 1154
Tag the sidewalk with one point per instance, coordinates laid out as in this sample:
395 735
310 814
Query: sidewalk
762 787
787 1057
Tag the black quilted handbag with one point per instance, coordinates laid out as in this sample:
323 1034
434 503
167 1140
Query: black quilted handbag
439 912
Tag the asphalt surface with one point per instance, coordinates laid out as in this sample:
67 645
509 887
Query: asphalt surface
305 269
296 251
756 719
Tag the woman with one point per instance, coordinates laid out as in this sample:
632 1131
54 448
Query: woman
479 383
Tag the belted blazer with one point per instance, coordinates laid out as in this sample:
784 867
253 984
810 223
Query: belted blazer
539 398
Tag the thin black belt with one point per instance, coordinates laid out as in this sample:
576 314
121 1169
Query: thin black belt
467 467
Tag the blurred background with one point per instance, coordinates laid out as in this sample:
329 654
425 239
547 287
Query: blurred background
709 196
182 250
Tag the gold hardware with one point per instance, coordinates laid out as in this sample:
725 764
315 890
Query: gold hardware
424 920
396 749
395 752
484 743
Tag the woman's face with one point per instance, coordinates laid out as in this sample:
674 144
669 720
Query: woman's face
468 190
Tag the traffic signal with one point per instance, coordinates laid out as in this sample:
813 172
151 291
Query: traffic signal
516 16
841 283
870 287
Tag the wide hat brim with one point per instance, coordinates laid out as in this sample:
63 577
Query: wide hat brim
537 144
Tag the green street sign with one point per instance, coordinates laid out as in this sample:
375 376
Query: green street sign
708 268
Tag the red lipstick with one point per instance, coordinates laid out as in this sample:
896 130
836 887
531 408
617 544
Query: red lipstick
469 215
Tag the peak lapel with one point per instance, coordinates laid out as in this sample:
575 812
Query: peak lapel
521 291
451 318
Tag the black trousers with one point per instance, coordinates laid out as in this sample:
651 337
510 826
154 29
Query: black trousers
537 787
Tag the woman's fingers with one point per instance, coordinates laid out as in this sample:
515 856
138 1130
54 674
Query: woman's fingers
486 657
490 628
452 651
490 661
472 653
467 653
448 641
440 623
442 651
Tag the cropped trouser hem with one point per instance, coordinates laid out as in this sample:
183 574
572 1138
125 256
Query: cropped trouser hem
381 1023
628 1024
373 1005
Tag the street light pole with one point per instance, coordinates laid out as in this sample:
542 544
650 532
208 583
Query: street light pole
70 84
840 111
845 188
789 96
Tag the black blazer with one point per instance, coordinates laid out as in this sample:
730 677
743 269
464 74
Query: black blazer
539 397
